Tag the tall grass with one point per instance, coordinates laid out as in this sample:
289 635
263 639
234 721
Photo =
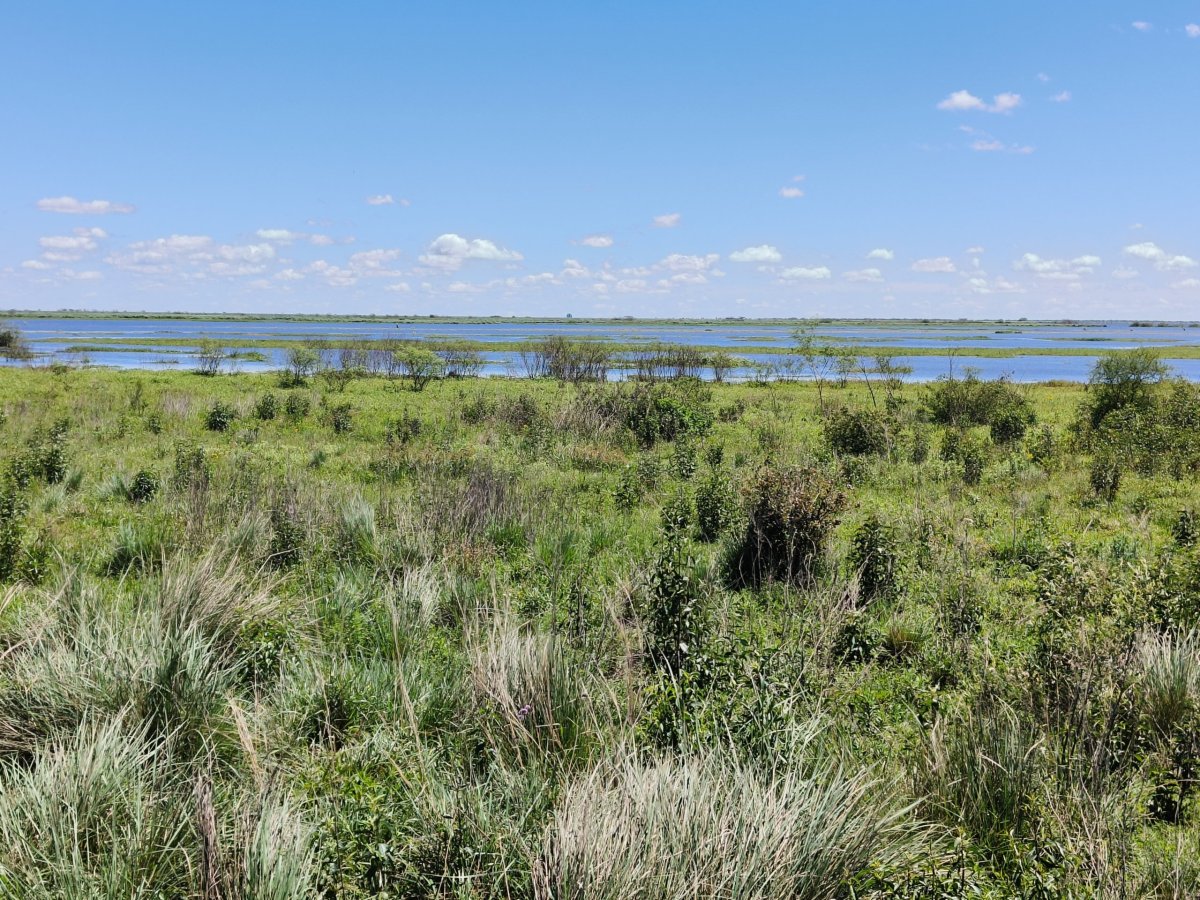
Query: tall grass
713 826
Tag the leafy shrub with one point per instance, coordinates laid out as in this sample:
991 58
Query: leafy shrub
790 514
13 506
287 539
220 416
143 487
715 506
404 430
665 411
1009 424
267 407
297 406
1104 475
678 513
875 557
1123 379
856 432
683 460
192 469
1186 528
154 423
674 616
341 418
963 402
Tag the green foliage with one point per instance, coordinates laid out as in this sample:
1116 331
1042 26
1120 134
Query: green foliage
857 432
963 402
341 418
1123 379
675 614
875 558
144 487
297 406
716 505
665 411
267 407
790 513
192 469
220 416
13 507
419 365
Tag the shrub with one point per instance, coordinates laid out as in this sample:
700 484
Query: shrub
297 406
1123 379
715 506
1008 425
674 616
419 365
1186 528
968 401
678 513
13 506
683 460
287 539
301 362
404 430
192 469
856 432
1104 474
220 416
267 407
875 558
143 487
790 514
666 411
341 418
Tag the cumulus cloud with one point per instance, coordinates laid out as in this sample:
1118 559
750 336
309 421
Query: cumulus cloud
668 220
450 251
965 101
76 207
763 253
791 192
934 264
1167 262
249 253
1057 269
597 240
806 273
278 235
35 264
159 255
1193 30
679 262
864 275
1061 97
1142 26
881 253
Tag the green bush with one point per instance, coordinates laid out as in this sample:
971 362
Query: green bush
791 513
856 432
715 506
297 406
963 402
341 418
13 507
674 616
875 558
143 487
220 416
192 469
267 407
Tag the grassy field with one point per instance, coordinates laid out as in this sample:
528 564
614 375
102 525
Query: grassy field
520 638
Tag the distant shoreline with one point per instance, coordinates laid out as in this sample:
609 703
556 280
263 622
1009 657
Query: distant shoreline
911 322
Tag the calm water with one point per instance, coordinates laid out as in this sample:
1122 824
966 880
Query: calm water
52 339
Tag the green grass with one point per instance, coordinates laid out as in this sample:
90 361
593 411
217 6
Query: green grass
479 644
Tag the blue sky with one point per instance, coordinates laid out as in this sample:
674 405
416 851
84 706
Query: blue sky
702 159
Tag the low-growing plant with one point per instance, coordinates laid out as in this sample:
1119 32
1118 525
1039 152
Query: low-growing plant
857 432
297 406
716 505
143 487
267 407
875 558
341 418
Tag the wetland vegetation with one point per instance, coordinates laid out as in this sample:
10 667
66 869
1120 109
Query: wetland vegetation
390 630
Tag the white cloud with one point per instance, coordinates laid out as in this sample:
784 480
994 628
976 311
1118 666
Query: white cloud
1043 77
668 220
386 200
449 251
249 253
807 273
791 193
934 264
289 275
78 243
597 240
400 287
1162 260
975 251
1193 30
991 145
320 240
1057 269
965 101
881 253
1142 26
1000 285
763 253
159 255
279 235
864 275
678 262
82 207
1061 97
1187 283
35 264
1125 272
373 261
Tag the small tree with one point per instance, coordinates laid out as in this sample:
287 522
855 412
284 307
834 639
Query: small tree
1122 379
419 365
209 356
301 363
